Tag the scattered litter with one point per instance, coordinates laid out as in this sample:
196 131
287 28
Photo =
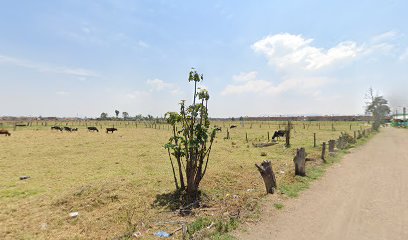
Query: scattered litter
235 196
282 172
137 234
24 177
74 214
250 190
211 225
162 234
43 226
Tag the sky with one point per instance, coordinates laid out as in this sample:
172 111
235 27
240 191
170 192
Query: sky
79 58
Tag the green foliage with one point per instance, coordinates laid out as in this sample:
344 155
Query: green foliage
197 225
191 145
345 140
104 115
377 106
125 115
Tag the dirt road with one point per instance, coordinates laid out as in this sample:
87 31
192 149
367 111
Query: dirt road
363 197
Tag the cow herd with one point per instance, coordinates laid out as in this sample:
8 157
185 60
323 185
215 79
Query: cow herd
277 134
90 129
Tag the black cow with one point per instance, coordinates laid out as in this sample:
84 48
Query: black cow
74 129
233 126
111 130
56 128
93 129
68 129
5 132
278 134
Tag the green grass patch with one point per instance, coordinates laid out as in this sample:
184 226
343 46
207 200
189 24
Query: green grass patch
14 193
278 205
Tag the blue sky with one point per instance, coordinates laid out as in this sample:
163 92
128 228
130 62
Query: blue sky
81 58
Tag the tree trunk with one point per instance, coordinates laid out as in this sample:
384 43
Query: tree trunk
300 162
268 176
331 145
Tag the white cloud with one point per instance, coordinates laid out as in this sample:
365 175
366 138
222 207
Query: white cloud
245 76
286 50
142 44
160 85
137 94
383 37
253 85
47 68
300 63
404 55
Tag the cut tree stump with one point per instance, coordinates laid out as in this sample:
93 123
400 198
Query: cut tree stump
300 162
332 143
268 176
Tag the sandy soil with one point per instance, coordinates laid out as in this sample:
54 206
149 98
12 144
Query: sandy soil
363 197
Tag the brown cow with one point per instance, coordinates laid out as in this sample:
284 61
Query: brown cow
5 132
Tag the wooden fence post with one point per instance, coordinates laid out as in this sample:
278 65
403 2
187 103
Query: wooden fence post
324 152
268 176
268 136
288 135
246 136
355 136
300 162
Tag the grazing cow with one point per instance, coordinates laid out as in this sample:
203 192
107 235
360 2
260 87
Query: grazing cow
5 132
74 129
233 126
56 128
218 129
111 130
68 129
278 134
93 129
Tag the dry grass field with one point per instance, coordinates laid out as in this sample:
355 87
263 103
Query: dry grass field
122 183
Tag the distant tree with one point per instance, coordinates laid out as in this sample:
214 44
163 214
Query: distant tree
117 113
232 119
191 144
104 115
241 118
377 107
139 117
150 117
125 115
